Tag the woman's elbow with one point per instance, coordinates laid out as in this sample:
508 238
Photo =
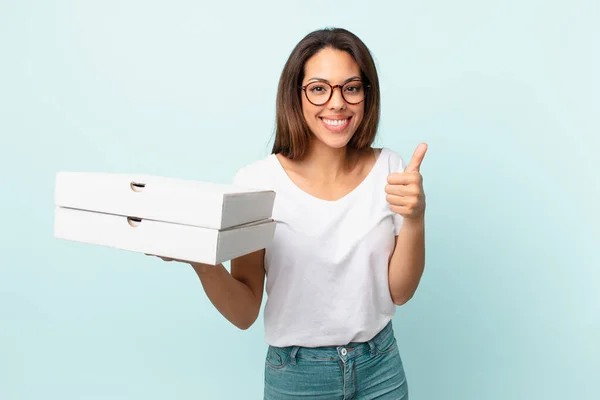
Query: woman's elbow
246 321
244 325
402 298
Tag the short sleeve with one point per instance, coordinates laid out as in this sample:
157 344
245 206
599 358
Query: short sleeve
252 176
397 164
241 178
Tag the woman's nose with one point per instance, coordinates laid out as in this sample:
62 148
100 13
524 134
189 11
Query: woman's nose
337 101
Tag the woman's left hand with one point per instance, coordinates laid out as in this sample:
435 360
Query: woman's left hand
405 189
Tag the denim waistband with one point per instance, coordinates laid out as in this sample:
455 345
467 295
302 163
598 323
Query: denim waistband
351 350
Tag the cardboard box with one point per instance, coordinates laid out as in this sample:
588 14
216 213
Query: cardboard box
187 220
205 204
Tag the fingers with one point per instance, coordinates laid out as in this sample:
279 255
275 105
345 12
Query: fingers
402 210
162 258
402 201
402 190
405 178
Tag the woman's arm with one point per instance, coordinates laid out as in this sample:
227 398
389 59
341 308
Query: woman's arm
406 198
237 295
408 260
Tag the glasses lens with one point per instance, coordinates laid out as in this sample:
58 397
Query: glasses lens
353 92
318 92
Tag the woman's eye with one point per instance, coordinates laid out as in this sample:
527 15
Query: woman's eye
353 89
317 89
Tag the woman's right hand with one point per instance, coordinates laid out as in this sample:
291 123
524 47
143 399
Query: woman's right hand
199 267
164 258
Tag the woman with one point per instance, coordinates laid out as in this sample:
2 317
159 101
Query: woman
349 242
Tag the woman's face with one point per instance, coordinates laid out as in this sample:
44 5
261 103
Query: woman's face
334 122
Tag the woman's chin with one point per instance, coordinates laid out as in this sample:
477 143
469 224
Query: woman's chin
334 141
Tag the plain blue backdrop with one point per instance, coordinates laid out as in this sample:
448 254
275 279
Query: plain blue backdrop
504 92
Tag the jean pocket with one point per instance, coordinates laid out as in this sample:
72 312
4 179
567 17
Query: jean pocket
277 357
387 344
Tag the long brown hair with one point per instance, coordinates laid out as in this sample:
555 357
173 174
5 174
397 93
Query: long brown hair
292 133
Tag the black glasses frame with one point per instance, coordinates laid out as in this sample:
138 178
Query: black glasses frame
333 87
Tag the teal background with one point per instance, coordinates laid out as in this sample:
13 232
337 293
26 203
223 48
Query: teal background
504 92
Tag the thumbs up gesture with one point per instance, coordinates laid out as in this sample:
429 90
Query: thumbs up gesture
405 189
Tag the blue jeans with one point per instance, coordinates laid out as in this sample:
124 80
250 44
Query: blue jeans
366 370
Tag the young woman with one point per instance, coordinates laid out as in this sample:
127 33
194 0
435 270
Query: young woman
349 241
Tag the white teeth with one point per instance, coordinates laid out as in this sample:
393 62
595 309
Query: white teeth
335 122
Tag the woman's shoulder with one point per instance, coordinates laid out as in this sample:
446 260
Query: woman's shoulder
256 173
392 159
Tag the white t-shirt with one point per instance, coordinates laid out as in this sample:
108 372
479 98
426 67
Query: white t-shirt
327 266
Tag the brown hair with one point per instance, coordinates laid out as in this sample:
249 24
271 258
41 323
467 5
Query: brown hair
292 133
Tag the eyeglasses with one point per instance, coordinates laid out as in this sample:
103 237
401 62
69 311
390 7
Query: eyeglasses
319 92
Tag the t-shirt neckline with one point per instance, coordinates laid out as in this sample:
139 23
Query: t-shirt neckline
288 181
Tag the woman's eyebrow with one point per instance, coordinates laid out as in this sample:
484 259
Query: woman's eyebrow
325 80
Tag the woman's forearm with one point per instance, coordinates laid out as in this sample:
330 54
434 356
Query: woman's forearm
408 260
231 297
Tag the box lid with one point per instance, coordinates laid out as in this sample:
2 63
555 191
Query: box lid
189 202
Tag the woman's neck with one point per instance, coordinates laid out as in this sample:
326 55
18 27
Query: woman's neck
327 164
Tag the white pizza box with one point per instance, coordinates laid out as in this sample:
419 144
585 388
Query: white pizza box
166 239
189 202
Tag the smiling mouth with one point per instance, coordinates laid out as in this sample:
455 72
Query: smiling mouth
336 125
335 122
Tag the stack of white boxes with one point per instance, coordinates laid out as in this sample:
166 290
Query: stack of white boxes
181 219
